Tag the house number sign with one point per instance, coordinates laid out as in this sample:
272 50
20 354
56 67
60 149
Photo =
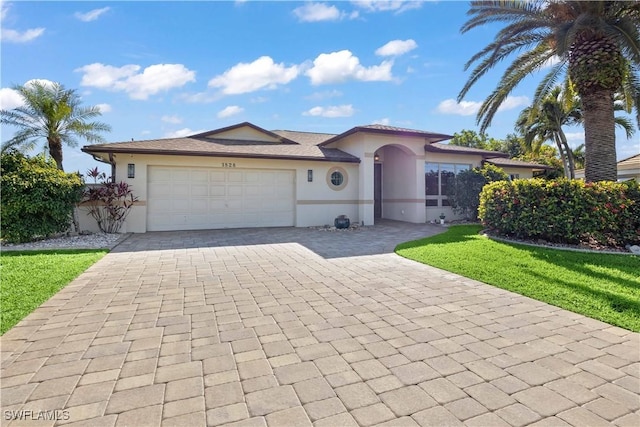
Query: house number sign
228 165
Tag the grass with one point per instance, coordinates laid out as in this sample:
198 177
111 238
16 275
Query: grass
30 278
602 286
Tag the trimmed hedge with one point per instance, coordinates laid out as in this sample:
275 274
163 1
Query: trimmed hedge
37 198
564 211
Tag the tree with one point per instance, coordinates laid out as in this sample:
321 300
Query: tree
463 189
54 113
596 42
473 139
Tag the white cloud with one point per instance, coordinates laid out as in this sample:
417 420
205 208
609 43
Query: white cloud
396 6
331 112
319 96
262 73
20 37
10 99
397 47
469 108
44 82
229 111
14 36
181 133
139 85
315 12
92 15
512 102
384 121
171 119
258 100
104 108
575 136
464 108
338 67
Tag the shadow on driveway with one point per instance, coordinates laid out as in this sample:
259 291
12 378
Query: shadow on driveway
381 238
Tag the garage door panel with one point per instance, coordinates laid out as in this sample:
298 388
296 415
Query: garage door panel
200 198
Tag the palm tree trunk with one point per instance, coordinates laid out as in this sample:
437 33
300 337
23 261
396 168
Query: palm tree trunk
570 160
599 136
563 155
55 150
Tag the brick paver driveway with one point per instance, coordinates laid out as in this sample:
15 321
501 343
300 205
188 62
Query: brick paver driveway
294 327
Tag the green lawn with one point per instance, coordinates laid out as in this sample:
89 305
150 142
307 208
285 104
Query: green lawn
29 278
601 286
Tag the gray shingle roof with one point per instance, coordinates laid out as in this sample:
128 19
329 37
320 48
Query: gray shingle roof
500 161
458 149
199 146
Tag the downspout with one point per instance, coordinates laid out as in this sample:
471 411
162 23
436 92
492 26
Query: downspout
113 167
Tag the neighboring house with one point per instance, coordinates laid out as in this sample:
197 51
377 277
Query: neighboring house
246 176
628 169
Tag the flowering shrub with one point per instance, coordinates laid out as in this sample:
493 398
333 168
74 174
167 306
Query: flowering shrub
109 202
564 211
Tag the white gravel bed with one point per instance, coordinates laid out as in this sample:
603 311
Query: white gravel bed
81 241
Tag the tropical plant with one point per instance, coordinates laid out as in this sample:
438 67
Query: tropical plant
108 202
54 113
596 42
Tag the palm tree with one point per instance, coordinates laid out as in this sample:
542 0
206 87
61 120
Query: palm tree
54 113
562 107
596 42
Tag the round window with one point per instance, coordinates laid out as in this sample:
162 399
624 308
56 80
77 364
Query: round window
337 178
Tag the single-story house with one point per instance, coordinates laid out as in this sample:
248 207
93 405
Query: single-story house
628 169
245 176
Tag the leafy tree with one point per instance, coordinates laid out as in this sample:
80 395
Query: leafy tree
463 190
54 113
473 139
546 155
37 198
596 42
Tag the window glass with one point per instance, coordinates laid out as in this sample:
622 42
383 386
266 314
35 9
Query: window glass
447 173
337 179
431 179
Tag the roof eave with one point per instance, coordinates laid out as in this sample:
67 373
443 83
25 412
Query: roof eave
432 137
89 150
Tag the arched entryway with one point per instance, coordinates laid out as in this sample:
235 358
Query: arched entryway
397 187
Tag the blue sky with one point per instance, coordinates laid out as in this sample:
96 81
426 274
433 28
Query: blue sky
164 69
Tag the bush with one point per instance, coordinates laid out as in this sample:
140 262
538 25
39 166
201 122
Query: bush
463 190
564 211
109 202
37 198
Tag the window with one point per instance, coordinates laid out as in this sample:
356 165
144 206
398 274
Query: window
514 176
337 178
436 180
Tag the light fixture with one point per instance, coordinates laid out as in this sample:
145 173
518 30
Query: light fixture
310 175
376 157
131 170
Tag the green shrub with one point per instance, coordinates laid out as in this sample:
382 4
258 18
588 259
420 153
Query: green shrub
37 198
463 189
566 211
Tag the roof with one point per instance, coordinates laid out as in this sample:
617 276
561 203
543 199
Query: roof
217 147
501 161
431 137
305 138
459 149
630 161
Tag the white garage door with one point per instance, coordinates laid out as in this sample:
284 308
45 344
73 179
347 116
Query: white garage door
201 198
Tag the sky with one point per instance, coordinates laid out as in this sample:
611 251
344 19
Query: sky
160 69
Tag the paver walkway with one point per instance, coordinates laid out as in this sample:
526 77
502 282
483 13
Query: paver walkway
294 327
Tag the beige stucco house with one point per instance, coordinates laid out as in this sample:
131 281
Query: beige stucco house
245 176
628 169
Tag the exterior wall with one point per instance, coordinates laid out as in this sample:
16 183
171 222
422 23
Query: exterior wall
317 203
521 173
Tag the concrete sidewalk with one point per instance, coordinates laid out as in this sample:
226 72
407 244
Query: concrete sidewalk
294 327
